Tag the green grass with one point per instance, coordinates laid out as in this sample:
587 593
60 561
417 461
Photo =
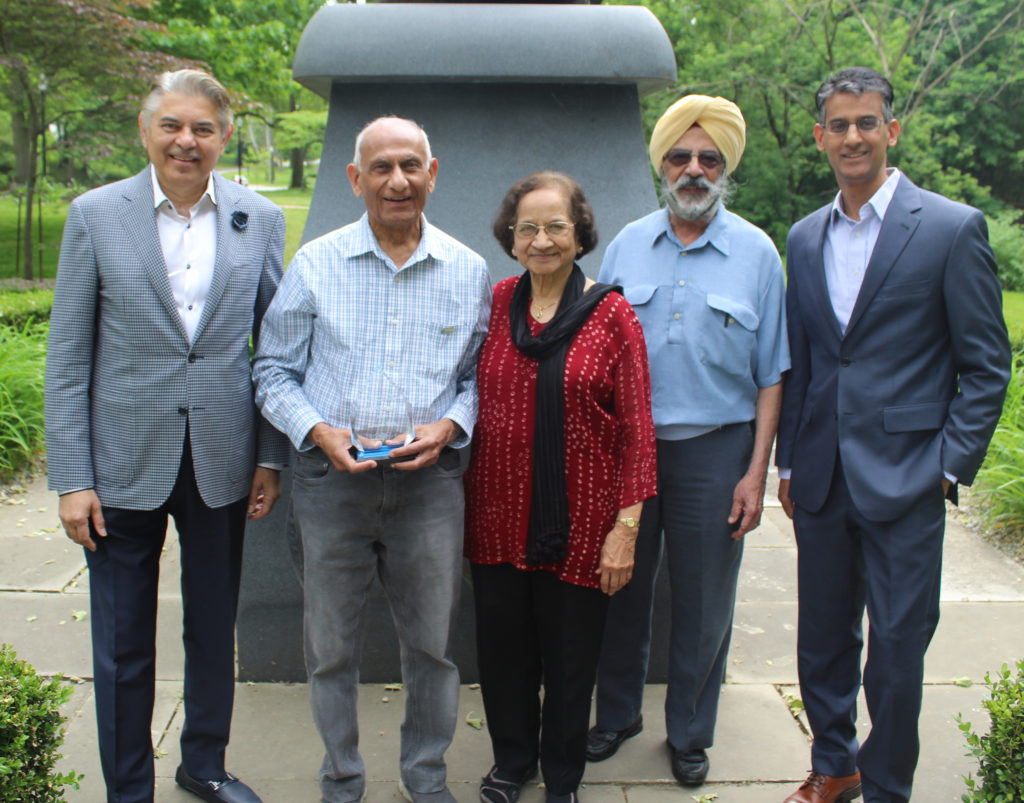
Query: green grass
295 204
53 226
1013 311
22 366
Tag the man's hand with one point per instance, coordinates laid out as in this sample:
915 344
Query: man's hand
787 503
430 440
76 510
748 503
265 491
336 443
617 558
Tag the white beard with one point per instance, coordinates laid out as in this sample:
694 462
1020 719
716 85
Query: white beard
696 208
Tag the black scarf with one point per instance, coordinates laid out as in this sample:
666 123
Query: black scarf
548 537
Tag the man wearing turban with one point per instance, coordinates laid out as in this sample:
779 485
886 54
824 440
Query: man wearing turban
708 289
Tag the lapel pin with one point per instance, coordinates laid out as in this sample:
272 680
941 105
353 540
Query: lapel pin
239 220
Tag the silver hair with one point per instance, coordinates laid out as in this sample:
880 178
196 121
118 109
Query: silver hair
189 82
855 81
357 156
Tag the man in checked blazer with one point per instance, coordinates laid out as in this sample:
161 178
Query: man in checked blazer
900 364
149 412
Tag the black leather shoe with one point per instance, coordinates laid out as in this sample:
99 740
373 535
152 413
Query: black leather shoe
230 790
604 744
690 767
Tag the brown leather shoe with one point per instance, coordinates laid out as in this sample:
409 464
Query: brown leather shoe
820 788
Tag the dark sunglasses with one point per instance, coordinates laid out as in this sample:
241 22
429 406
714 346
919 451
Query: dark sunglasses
709 160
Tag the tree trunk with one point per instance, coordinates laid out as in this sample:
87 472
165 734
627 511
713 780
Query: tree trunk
298 169
27 231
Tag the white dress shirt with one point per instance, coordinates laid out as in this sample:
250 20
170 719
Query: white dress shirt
189 245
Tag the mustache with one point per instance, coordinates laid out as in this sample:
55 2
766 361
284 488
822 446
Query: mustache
691 182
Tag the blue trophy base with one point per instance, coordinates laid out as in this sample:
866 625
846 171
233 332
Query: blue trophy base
380 455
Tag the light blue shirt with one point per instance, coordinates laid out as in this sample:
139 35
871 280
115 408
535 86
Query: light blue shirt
345 313
849 244
713 315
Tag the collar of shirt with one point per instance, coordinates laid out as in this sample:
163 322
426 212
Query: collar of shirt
366 243
716 234
159 196
878 203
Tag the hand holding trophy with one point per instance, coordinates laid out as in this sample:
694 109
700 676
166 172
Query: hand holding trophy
380 420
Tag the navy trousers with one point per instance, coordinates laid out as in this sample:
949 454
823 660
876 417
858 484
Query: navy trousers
123 576
696 480
892 567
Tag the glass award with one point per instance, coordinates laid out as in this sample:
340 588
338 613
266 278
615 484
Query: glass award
380 420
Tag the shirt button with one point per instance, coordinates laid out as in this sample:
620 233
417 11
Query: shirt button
394 321
676 316
682 283
391 364
188 267
190 307
684 253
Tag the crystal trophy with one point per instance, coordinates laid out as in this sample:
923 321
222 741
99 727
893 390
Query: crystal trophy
380 420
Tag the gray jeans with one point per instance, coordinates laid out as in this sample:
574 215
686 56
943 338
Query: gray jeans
405 527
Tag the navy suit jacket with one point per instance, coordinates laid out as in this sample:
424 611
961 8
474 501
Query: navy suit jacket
915 386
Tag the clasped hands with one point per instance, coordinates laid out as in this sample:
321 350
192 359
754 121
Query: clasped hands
424 450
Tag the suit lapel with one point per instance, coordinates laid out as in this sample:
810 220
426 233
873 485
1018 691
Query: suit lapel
819 286
227 203
139 220
898 226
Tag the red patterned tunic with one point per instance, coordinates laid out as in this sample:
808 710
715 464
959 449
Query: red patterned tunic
609 438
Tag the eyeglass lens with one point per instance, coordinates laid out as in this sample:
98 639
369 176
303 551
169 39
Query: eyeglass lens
553 228
864 124
709 160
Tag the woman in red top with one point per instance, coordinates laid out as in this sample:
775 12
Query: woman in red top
563 458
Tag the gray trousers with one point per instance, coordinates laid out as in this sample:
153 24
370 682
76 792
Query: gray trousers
696 479
404 527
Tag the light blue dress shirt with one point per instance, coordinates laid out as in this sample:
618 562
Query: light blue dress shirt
344 313
713 315
849 244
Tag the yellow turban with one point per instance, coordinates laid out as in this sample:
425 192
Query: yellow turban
721 118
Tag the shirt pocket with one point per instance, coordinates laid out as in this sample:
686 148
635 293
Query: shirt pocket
639 294
728 335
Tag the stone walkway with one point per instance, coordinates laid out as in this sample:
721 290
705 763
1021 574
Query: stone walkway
761 750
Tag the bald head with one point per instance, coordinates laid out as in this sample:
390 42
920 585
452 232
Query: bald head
389 126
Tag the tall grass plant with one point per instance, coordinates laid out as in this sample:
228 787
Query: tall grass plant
22 368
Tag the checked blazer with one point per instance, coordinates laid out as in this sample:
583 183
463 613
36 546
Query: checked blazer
122 380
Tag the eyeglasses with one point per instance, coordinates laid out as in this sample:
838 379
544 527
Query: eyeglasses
864 125
553 228
709 160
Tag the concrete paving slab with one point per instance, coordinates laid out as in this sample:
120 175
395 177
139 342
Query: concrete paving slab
767 575
56 644
756 740
763 646
974 638
975 571
715 793
39 560
776 530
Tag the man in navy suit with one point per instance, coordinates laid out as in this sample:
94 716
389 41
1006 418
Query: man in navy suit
163 279
900 361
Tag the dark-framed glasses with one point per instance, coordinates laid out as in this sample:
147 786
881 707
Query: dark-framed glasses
709 160
553 228
864 124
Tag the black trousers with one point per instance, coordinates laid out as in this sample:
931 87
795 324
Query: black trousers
533 628
123 576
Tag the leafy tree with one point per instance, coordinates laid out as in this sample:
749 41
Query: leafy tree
84 55
942 58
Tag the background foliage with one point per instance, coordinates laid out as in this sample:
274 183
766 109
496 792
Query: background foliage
1000 751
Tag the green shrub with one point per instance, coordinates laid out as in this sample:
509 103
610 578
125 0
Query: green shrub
1001 751
21 307
22 369
1006 236
31 730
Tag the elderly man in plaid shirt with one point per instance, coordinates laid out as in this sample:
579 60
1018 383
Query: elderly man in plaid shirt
386 303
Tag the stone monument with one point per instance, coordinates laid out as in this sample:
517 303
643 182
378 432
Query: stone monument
502 90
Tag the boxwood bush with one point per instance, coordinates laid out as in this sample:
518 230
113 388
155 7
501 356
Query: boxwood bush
31 731
1000 752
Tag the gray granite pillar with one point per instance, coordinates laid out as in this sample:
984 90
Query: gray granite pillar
502 91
